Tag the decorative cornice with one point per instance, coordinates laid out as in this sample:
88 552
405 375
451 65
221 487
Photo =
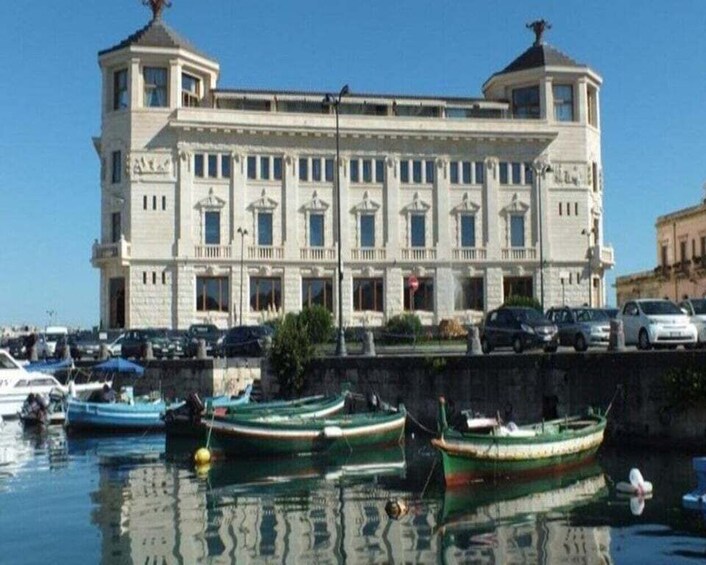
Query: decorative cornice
315 204
211 201
516 206
417 205
366 205
263 203
466 205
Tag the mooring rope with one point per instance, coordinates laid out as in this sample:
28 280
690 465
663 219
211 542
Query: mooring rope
411 417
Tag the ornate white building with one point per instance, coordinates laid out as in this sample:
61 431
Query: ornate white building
212 197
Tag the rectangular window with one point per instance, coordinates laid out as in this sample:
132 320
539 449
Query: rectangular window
516 172
155 87
480 172
144 277
422 298
563 103
517 231
404 171
116 167
453 172
154 202
303 169
568 208
355 173
703 248
664 256
164 202
264 228
213 166
115 227
379 170
144 202
264 168
265 293
368 295
120 91
466 170
560 208
212 294
576 208
525 103
317 292
190 90
367 170
529 174
164 277
198 165
252 167
417 171
468 230
328 170
594 171
225 166
212 231
417 231
154 278
592 108
316 170
429 172
316 230
504 173
468 294
682 251
277 168
367 230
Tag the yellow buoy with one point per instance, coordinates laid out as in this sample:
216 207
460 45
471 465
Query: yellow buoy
202 456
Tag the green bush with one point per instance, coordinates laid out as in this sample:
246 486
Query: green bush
528 301
274 323
291 354
403 328
319 323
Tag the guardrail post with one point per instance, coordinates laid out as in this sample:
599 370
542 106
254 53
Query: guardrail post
201 349
473 342
103 353
616 340
369 344
66 354
33 353
149 353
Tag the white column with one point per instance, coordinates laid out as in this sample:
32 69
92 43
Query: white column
491 217
581 102
441 211
290 204
391 210
183 211
135 79
174 83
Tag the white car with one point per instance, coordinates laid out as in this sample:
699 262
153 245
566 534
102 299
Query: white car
115 347
696 309
649 322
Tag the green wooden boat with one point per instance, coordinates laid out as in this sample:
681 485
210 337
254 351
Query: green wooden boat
536 449
291 435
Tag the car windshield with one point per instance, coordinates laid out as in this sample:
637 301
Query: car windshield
699 306
659 308
589 315
527 314
203 330
54 337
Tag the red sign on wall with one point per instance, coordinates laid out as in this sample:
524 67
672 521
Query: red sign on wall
413 283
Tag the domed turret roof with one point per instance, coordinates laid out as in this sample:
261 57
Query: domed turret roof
541 55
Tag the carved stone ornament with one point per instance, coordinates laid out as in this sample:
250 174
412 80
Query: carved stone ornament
263 203
466 206
417 205
151 165
568 174
516 206
366 206
211 201
315 204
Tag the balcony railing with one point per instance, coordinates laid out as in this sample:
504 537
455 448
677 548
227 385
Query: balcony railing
118 250
317 253
418 253
368 254
602 256
212 252
266 253
469 254
518 254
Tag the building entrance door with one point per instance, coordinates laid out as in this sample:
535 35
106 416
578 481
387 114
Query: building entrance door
116 293
517 286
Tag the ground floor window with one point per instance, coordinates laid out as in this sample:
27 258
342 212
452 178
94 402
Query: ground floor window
518 286
317 292
265 293
368 294
422 298
468 294
212 294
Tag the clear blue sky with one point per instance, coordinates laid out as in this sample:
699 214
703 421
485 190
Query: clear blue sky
651 56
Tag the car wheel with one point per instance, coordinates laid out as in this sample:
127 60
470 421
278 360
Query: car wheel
485 345
580 343
551 348
517 345
643 340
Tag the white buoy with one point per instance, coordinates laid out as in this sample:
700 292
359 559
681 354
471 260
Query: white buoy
637 485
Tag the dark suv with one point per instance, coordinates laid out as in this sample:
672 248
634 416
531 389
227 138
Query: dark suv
247 341
518 327
135 344
207 332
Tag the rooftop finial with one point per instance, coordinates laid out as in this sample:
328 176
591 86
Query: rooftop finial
538 27
157 6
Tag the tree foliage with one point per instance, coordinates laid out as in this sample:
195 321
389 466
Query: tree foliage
528 301
319 323
291 354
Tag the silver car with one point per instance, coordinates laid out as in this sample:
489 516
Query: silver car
696 309
581 327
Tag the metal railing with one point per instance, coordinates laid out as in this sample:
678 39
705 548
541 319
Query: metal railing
118 249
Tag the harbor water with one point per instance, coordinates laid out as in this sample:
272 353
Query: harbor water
130 500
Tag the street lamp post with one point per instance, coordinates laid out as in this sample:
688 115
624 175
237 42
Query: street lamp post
588 234
541 168
243 232
332 100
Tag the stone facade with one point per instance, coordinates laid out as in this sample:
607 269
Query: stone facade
465 194
681 260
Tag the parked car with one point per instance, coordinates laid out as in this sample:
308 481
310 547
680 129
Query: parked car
134 344
247 341
115 347
695 308
649 322
47 342
179 342
211 335
611 312
84 345
581 327
16 347
518 327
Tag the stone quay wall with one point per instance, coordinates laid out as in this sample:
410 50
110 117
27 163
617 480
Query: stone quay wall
526 388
